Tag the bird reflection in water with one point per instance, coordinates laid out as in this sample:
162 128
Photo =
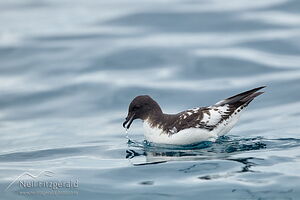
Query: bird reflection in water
224 149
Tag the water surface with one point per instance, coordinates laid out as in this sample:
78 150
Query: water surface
70 68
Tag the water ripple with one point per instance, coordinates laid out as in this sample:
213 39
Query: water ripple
224 148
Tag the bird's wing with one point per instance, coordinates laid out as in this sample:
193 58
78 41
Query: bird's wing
205 117
241 98
210 117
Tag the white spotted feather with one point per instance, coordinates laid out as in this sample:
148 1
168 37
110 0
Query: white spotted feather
195 134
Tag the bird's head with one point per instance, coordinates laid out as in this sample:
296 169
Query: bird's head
141 107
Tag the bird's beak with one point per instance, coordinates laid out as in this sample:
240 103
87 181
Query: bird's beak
129 119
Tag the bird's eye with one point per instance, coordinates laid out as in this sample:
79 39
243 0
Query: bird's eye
135 108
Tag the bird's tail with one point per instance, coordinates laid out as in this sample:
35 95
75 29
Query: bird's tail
243 98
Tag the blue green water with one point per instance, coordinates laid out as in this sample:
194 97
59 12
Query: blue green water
69 69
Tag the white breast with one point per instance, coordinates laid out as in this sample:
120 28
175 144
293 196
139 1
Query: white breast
183 137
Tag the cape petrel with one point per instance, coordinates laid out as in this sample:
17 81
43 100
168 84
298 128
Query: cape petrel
190 126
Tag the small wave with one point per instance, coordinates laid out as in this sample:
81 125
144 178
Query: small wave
268 59
273 17
45 154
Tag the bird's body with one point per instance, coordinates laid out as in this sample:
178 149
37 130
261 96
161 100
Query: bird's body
190 126
202 124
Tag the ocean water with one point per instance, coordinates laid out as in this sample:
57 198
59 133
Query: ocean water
69 69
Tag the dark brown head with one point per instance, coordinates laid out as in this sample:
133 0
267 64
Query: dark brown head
141 107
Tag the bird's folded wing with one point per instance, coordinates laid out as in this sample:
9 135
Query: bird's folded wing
206 117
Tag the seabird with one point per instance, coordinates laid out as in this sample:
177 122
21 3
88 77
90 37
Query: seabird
190 126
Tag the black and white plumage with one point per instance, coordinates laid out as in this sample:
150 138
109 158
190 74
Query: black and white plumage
190 126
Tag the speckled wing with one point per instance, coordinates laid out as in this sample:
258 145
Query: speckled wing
212 116
204 117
